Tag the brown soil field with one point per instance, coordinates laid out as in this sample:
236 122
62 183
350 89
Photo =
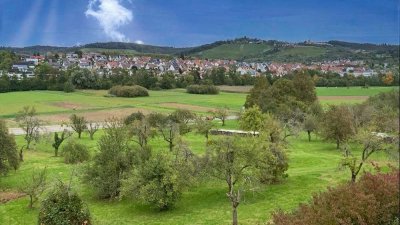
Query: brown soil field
9 196
175 105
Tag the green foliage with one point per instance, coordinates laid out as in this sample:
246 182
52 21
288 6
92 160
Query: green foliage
112 163
69 87
63 207
133 117
7 58
337 124
128 91
252 119
8 150
372 200
157 182
203 126
58 140
221 113
74 152
202 89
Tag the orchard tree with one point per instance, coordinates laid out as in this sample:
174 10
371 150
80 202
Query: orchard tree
221 113
337 124
305 87
167 126
261 85
92 128
63 206
28 121
8 150
230 160
183 117
310 125
203 126
58 140
112 163
370 143
252 119
142 130
78 124
273 128
35 186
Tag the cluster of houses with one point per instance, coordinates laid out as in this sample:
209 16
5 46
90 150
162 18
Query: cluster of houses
97 61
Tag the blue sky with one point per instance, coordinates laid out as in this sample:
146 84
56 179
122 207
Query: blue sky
193 22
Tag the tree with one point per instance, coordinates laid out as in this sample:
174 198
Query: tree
159 181
388 78
221 113
337 124
272 127
252 119
183 117
74 152
59 140
142 130
78 124
8 150
35 186
261 84
203 126
233 162
305 87
310 125
112 163
371 142
167 126
63 206
92 128
28 121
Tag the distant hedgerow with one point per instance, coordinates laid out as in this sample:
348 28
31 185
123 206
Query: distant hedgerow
202 89
128 91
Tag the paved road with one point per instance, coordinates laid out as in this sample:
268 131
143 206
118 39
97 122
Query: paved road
59 128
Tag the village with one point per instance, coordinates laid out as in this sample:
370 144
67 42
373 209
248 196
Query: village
100 62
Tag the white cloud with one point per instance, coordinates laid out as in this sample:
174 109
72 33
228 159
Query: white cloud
139 42
111 15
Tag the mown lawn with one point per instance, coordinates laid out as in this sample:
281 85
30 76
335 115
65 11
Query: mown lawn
312 167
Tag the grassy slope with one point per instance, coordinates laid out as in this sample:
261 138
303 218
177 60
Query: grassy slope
234 51
313 166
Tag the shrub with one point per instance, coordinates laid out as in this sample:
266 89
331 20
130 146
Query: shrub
75 153
202 89
68 87
372 200
63 206
133 117
128 91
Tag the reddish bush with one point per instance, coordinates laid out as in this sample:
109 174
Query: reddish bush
374 200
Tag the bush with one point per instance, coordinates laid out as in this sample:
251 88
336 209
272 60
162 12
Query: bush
202 89
133 117
68 87
372 200
63 206
75 153
128 91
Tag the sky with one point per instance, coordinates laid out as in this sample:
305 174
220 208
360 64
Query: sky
183 23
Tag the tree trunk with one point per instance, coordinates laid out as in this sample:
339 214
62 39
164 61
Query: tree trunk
309 135
31 202
223 122
91 136
171 146
353 177
56 152
234 215
337 144
79 135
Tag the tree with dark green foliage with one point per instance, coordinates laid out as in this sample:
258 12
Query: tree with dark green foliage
159 181
337 124
74 152
8 150
58 140
261 84
305 87
133 117
310 125
112 163
78 124
63 206
252 119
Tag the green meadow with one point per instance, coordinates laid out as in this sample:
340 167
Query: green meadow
313 166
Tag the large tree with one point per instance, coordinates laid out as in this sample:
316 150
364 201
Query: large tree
8 150
305 87
261 84
252 119
337 124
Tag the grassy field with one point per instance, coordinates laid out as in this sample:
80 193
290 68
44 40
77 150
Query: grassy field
313 166
55 107
234 51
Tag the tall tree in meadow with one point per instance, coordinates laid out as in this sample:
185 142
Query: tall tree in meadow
78 124
337 124
305 87
252 119
261 84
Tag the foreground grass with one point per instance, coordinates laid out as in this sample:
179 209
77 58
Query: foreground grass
312 167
